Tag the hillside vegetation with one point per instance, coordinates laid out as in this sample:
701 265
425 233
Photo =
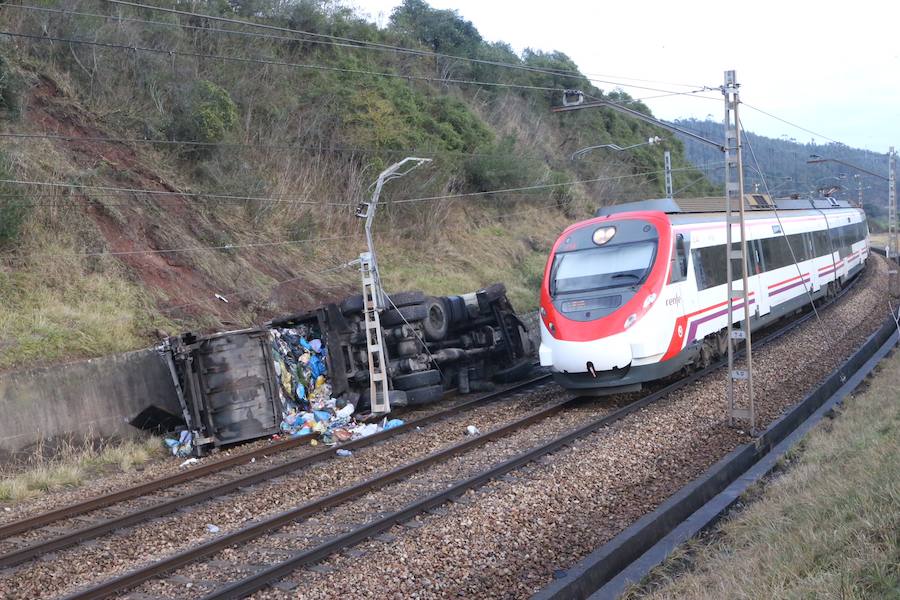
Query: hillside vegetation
784 164
195 161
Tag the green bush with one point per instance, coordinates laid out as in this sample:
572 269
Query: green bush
497 167
205 113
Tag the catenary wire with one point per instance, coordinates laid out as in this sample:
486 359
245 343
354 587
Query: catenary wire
373 45
268 287
786 122
286 200
806 287
185 249
360 45
262 61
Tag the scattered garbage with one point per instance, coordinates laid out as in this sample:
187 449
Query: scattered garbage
189 462
183 446
392 423
212 528
343 453
472 430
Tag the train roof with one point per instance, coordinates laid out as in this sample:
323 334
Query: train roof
752 202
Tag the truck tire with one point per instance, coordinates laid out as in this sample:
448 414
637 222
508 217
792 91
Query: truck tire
424 395
419 379
354 304
407 298
404 314
437 323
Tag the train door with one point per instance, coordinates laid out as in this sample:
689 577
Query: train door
756 281
810 247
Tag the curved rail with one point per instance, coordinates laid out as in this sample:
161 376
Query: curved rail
266 576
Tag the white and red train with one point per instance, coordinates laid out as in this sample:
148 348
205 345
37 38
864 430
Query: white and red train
639 292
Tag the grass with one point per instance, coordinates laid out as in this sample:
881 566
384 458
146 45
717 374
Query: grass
51 312
73 465
828 528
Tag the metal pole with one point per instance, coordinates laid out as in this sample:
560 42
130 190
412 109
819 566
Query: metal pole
667 156
734 193
893 283
892 202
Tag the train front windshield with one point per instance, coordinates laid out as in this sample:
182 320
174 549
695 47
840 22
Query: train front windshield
612 266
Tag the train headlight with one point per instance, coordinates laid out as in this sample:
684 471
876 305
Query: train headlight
551 327
543 312
649 300
603 235
630 320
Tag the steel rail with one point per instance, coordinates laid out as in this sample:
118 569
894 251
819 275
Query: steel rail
257 581
315 554
255 530
93 531
259 528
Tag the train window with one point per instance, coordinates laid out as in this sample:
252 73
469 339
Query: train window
822 242
709 266
678 268
600 268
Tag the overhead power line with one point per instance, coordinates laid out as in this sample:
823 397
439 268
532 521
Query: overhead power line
400 49
186 249
786 122
268 287
266 61
289 200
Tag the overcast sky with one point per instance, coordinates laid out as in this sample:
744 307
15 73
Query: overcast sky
830 67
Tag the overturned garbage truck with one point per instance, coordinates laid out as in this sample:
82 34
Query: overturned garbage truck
240 385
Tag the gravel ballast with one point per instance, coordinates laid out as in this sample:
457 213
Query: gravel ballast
515 534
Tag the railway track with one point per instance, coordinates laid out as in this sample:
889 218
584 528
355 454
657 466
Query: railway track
315 550
26 549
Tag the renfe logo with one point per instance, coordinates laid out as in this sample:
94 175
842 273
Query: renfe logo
673 301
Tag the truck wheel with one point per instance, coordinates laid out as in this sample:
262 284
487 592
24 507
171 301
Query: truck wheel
424 395
407 298
404 314
417 380
354 304
437 323
518 370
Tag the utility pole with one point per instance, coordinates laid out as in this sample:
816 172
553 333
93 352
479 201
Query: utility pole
374 298
892 203
734 193
893 283
667 156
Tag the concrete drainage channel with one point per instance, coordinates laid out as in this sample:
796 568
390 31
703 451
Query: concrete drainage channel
628 557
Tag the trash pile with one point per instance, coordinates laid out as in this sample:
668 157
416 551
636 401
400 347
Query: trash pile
300 366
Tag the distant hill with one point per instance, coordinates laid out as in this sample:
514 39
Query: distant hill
783 162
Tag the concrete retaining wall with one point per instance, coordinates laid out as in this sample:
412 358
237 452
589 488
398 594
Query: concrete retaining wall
82 400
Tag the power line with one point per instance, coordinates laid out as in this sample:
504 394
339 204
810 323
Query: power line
786 122
538 187
359 45
268 287
187 249
375 45
287 200
168 192
262 61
